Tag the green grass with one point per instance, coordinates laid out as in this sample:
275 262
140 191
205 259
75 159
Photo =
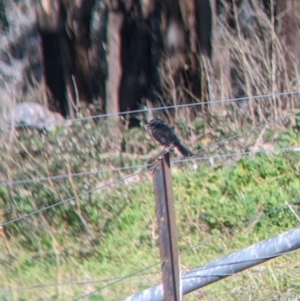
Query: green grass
112 232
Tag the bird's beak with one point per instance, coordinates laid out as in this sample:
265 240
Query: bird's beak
146 125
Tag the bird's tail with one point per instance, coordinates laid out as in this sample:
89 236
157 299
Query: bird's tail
185 152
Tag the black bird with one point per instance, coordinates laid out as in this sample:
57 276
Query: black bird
166 137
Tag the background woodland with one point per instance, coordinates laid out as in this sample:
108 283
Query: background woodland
94 56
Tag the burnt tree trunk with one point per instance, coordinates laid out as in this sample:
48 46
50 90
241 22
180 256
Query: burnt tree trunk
64 27
135 59
51 18
78 29
114 27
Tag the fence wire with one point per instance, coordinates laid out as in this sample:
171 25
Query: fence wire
285 149
134 112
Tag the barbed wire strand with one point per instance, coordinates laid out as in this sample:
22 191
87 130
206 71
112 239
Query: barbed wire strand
255 97
117 169
73 198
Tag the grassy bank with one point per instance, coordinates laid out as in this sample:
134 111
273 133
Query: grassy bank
92 240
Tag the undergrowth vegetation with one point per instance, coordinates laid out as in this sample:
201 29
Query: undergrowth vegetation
222 205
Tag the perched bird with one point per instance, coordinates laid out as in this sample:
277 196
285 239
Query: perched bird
166 137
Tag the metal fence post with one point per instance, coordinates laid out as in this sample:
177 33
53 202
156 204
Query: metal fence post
165 214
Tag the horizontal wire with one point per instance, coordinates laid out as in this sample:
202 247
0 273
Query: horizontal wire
11 289
49 285
255 97
175 162
72 198
65 176
271 150
115 282
87 173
